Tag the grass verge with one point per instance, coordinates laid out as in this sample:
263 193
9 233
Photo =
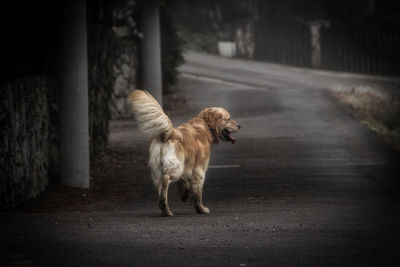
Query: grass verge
377 111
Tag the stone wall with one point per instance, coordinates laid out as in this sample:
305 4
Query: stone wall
29 131
112 75
24 139
125 71
29 118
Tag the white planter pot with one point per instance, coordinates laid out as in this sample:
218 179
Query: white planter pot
227 49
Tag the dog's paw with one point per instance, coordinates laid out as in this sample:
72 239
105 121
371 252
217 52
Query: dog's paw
167 213
202 210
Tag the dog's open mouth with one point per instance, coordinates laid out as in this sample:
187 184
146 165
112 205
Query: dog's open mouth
228 136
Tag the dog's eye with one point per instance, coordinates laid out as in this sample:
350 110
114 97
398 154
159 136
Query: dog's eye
228 119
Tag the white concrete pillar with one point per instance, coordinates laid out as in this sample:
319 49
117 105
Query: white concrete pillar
151 78
74 102
315 45
315 33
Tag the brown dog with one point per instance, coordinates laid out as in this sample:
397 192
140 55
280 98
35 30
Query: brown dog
180 154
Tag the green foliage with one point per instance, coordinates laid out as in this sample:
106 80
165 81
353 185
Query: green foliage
171 46
197 40
103 48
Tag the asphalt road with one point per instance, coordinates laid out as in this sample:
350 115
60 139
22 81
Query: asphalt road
304 185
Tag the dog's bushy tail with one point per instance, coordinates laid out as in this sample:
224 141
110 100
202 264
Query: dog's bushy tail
149 115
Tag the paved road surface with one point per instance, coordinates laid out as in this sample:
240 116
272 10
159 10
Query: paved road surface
305 185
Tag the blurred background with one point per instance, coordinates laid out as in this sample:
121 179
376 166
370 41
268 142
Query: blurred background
355 36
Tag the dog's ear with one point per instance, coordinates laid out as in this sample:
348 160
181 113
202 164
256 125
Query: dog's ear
211 117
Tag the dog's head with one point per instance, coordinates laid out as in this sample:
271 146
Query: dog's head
220 123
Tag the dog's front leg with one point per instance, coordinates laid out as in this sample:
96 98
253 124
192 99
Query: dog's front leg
197 190
163 196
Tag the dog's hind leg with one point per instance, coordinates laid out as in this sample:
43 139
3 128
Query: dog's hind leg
197 190
163 195
184 190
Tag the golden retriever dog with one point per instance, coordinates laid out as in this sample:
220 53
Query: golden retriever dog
180 154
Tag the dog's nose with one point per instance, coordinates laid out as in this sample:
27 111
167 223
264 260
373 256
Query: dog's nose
239 126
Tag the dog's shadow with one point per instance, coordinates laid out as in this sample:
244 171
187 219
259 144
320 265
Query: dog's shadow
177 214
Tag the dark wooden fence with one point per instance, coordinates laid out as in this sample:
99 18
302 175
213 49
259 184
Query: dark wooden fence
283 41
368 47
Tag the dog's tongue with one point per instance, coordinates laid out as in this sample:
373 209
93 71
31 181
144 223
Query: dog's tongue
233 140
